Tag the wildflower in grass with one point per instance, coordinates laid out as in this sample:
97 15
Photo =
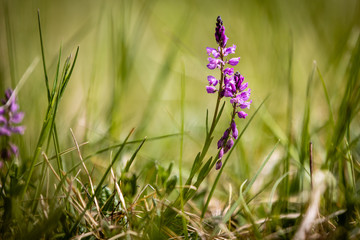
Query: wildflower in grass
10 117
231 85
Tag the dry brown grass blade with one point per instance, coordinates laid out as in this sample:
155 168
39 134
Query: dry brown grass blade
121 196
74 203
87 173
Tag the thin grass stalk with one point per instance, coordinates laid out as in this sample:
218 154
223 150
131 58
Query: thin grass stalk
43 57
182 113
286 186
10 43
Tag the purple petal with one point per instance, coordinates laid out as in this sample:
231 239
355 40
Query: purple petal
220 143
245 95
212 51
3 119
212 80
230 50
209 50
211 66
242 114
14 149
2 110
211 89
227 80
5 131
228 93
18 129
221 153
233 100
230 143
8 93
234 61
235 133
218 165
243 86
14 107
233 125
17 117
229 71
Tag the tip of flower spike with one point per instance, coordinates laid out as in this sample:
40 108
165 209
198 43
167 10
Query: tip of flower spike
219 22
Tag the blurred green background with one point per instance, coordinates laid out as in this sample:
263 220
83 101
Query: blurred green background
134 53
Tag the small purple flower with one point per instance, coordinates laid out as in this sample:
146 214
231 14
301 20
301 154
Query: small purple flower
230 50
221 153
234 61
212 51
242 114
245 105
229 71
218 165
212 80
234 130
235 133
223 138
229 145
243 86
212 63
228 93
211 89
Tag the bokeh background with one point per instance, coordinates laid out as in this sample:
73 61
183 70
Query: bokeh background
133 55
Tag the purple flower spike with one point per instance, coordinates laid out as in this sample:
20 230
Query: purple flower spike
211 89
218 165
9 116
234 61
242 114
231 85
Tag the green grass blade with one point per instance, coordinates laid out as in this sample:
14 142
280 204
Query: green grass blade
331 115
128 164
43 57
278 181
236 204
182 113
248 213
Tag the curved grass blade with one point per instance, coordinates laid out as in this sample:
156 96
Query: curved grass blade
236 204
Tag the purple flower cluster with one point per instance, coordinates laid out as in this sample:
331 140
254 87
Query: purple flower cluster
10 117
231 85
